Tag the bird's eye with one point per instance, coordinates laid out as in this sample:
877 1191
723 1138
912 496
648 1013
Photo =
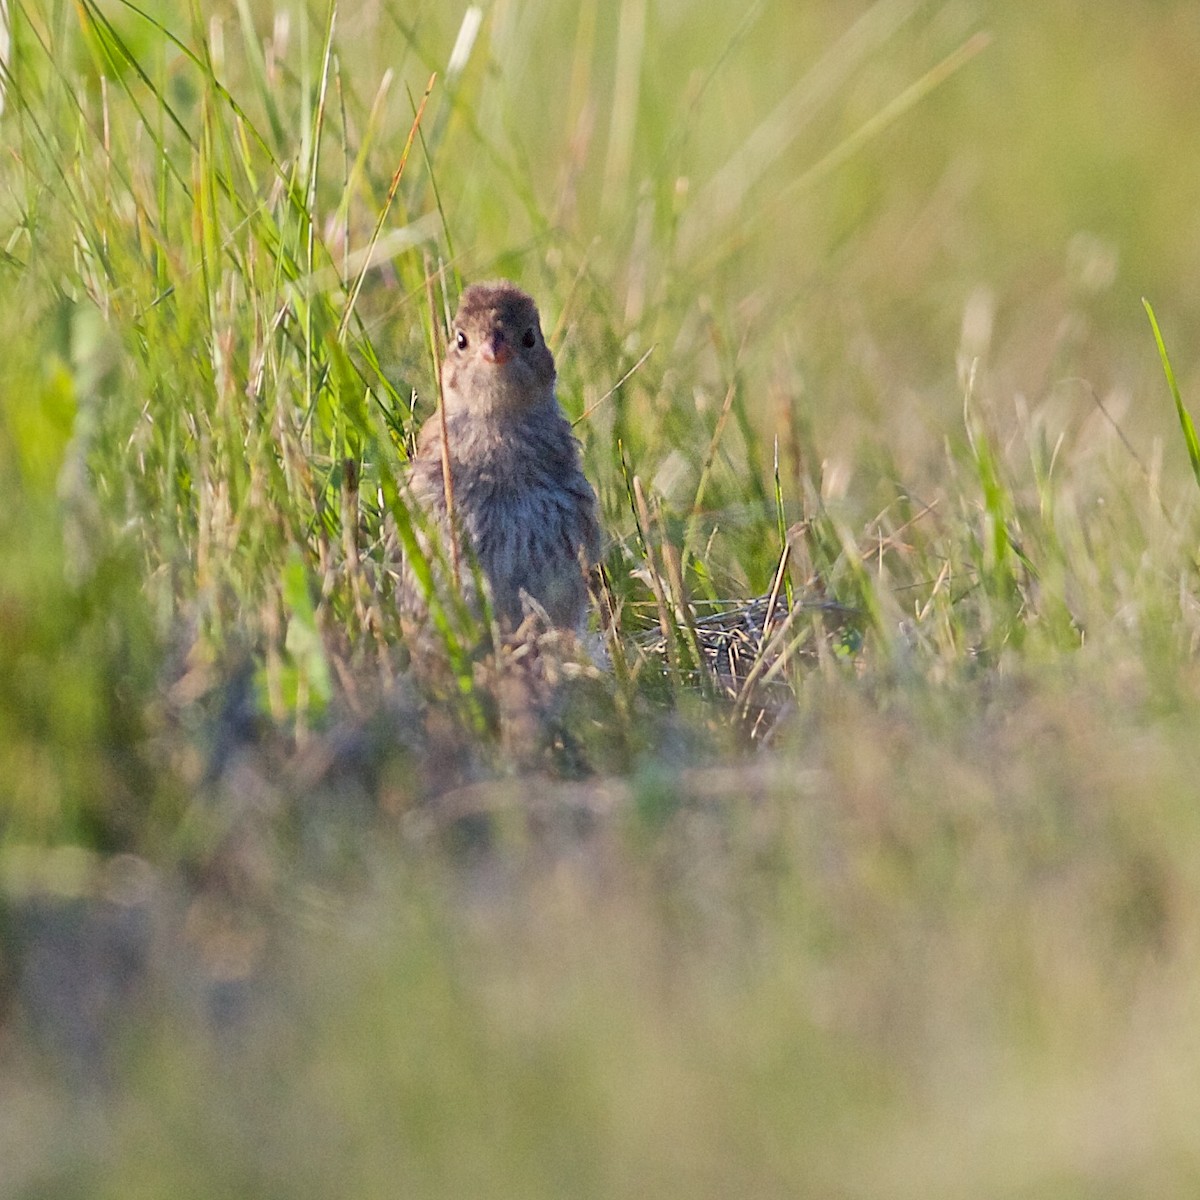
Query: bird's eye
530 339
460 340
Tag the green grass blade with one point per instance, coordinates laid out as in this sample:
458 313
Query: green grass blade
258 73
356 287
1185 419
891 112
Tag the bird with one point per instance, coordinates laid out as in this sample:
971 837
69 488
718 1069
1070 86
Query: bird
523 510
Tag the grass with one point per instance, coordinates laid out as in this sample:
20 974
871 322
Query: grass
867 870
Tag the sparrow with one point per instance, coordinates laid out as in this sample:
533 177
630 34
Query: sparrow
523 511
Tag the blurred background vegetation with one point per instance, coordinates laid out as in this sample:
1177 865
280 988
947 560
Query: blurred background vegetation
859 279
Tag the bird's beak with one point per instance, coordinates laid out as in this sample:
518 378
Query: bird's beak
497 350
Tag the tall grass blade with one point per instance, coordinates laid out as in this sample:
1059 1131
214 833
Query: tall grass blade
781 529
352 298
892 111
721 198
1185 420
258 73
5 49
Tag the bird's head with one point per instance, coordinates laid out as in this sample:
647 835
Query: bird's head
497 360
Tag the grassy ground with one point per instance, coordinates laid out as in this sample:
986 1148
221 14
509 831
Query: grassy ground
847 300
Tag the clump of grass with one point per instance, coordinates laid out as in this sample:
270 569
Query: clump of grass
79 651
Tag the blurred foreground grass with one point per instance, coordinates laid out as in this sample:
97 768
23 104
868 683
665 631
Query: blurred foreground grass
279 919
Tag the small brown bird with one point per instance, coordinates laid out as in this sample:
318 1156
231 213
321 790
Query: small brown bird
521 502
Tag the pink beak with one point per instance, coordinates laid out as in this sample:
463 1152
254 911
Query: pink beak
496 350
